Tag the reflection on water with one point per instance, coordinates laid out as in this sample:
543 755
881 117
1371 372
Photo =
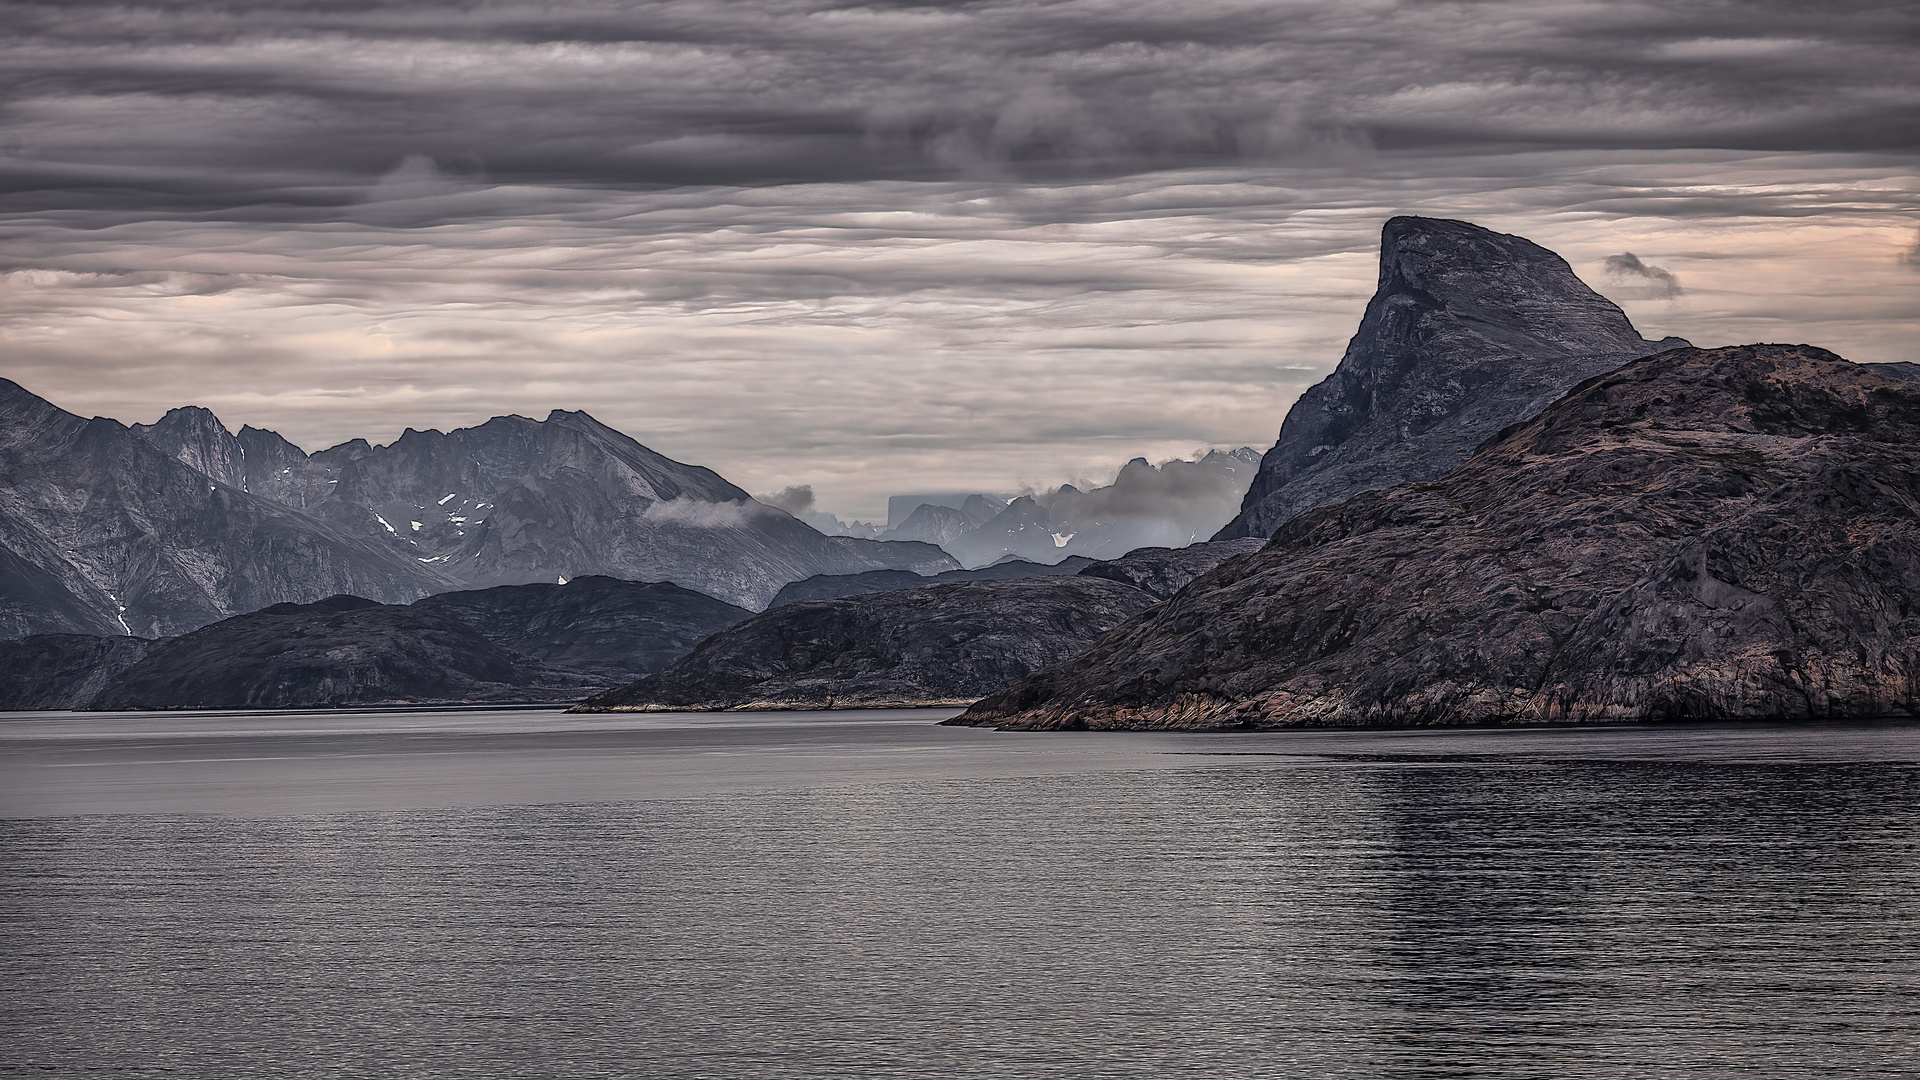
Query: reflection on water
1658 903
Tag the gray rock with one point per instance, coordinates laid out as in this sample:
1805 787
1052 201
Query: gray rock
1732 533
545 643
941 645
1469 331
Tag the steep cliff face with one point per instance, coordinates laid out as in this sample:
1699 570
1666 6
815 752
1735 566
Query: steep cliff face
98 520
1469 331
939 645
1731 533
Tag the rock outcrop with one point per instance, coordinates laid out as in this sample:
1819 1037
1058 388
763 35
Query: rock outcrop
1469 331
1719 534
940 645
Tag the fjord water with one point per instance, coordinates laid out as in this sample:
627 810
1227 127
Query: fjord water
832 894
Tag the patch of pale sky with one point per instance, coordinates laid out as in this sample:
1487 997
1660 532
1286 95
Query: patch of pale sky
870 339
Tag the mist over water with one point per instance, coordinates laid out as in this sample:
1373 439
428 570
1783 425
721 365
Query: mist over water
509 893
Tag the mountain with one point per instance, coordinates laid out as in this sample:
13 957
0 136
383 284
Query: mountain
161 528
830 586
103 532
1469 331
1702 534
940 645
340 651
514 500
612 629
1904 370
1170 506
541 642
1161 572
930 524
64 671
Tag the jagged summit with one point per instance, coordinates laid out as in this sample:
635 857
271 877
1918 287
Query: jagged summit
161 528
1469 331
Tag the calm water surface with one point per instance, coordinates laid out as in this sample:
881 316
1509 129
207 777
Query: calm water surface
524 893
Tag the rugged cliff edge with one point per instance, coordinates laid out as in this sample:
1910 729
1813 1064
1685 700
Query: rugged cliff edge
1469 331
1719 534
938 645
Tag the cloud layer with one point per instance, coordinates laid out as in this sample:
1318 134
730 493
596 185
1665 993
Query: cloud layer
897 246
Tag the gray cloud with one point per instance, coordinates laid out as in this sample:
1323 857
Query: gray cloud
795 499
897 247
194 106
1653 280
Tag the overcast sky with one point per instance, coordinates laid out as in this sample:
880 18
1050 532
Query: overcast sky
902 247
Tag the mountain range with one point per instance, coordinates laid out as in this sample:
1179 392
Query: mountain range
156 529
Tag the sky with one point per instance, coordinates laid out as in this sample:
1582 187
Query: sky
889 247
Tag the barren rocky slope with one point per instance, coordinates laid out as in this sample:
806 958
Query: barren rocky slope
1469 331
601 626
105 533
1701 534
340 651
939 645
516 500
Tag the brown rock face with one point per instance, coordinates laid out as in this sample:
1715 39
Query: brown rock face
1702 534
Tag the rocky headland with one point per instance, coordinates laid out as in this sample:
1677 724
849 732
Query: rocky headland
1702 534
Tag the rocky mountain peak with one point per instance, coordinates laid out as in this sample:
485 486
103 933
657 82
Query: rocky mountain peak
1469 331
196 438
